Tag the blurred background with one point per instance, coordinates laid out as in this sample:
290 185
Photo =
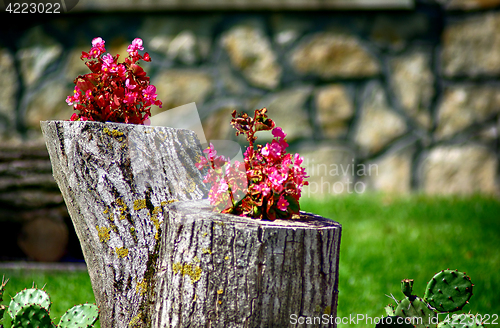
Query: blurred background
382 97
395 96
392 96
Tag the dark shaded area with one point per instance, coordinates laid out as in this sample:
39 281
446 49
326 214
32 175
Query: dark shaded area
31 206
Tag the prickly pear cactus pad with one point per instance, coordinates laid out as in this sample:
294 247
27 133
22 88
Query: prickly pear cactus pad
28 297
448 291
415 307
32 315
83 315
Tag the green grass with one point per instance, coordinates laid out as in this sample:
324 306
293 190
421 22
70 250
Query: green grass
385 240
66 289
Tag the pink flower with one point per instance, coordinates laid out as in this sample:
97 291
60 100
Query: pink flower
98 42
297 161
109 65
273 150
108 59
276 178
262 188
72 100
278 133
202 163
97 48
223 186
211 152
150 92
282 204
88 95
136 45
130 97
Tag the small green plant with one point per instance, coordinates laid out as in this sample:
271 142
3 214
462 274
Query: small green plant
448 291
30 308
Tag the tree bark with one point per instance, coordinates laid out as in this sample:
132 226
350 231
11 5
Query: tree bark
219 270
116 180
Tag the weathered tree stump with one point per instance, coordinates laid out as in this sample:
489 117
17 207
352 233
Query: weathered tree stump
116 180
220 270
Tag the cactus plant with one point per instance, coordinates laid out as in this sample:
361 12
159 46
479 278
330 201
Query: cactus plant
30 308
449 291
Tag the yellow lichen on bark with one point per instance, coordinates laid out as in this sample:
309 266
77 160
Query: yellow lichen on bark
191 187
166 202
122 252
114 133
103 233
139 204
122 207
154 218
141 287
187 269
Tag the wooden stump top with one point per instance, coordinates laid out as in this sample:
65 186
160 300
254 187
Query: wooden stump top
197 208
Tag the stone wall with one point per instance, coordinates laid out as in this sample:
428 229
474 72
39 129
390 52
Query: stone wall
393 100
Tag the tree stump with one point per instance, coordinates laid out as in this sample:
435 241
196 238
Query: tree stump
116 180
220 270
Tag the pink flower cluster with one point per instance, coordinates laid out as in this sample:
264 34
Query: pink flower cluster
113 92
267 185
